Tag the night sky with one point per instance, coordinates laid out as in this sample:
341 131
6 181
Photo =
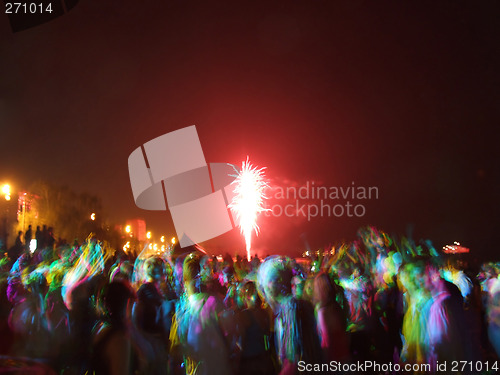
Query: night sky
404 96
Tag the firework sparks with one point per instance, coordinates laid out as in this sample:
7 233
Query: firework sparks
248 200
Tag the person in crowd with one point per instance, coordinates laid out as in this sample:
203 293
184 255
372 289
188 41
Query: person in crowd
113 349
152 314
493 314
28 319
89 309
359 294
445 322
197 341
148 321
18 248
295 326
330 320
38 238
414 327
50 238
27 238
254 333
45 236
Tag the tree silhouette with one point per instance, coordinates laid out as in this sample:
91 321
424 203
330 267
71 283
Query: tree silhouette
67 211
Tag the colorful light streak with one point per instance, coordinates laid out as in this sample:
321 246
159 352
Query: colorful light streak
248 200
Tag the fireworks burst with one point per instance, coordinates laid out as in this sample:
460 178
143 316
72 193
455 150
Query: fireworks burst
248 200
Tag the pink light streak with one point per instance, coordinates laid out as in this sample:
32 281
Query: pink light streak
248 200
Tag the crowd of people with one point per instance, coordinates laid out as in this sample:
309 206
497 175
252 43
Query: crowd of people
87 309
44 237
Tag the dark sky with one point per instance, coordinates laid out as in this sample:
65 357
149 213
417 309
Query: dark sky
403 96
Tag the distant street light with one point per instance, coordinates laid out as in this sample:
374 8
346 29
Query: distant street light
148 235
128 229
6 191
92 216
173 240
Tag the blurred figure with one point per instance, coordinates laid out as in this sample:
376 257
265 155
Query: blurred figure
147 319
254 331
153 314
83 318
493 315
113 347
39 238
27 238
156 284
18 248
28 318
196 336
295 327
359 294
414 330
330 321
45 237
50 239
307 290
58 322
445 320
388 305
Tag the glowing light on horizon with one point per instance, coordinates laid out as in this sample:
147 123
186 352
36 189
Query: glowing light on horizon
33 245
456 248
248 201
6 191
